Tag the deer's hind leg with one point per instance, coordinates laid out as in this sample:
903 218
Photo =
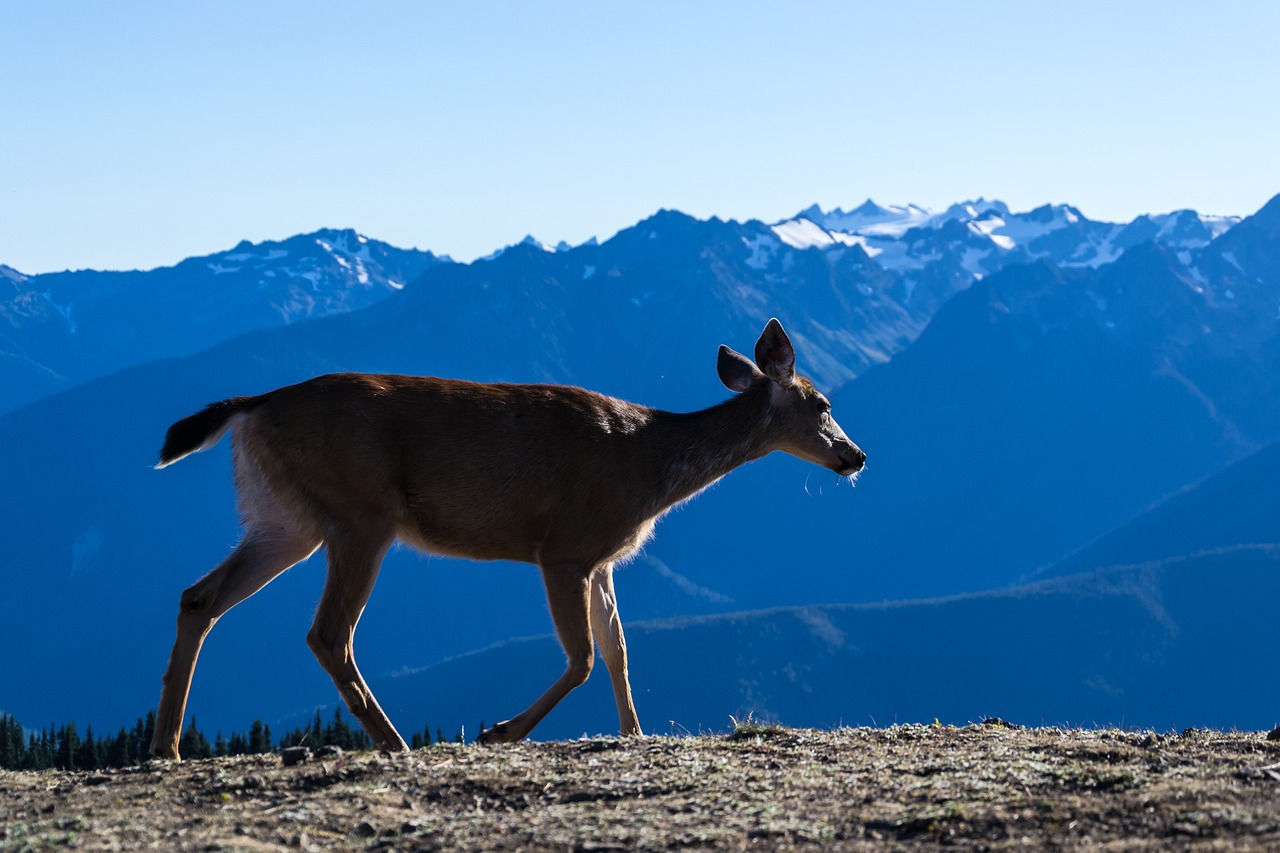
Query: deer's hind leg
261 556
273 541
355 554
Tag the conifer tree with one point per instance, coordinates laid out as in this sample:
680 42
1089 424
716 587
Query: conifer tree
259 738
32 759
10 743
194 744
87 757
68 746
13 747
118 752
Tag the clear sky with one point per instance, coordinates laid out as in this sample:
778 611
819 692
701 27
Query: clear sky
133 134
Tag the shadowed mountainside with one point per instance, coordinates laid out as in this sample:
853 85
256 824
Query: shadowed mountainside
1188 641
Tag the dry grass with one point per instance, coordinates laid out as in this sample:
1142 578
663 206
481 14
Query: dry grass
979 787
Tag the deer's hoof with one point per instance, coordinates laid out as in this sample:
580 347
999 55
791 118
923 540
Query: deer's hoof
500 733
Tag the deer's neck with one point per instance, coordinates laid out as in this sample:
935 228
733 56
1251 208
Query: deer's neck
693 450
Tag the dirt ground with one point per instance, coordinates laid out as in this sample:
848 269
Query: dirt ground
986 787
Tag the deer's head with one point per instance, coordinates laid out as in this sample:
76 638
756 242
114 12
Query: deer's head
800 416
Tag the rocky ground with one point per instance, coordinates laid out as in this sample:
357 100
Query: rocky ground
985 786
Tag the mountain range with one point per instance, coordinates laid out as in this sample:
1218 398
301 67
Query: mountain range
1027 387
1155 645
59 329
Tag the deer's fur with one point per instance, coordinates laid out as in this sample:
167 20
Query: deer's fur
564 478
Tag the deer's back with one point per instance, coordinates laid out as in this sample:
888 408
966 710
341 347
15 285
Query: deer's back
489 471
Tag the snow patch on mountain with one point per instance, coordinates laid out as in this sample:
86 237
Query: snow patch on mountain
869 218
900 256
271 255
971 261
898 237
762 248
534 242
1011 231
804 234
63 311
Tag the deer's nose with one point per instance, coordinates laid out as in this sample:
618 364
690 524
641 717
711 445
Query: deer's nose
858 458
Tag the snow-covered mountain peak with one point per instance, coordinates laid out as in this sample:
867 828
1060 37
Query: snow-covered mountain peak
529 242
343 241
868 218
912 237
10 274
975 209
330 259
346 239
803 233
1187 229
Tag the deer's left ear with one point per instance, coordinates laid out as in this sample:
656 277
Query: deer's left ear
736 370
775 355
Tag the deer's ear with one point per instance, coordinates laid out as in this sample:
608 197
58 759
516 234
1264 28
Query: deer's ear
775 355
736 370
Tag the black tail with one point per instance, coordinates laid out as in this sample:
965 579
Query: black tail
203 429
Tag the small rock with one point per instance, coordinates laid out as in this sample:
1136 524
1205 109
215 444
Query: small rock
364 829
329 751
292 755
999 723
1274 734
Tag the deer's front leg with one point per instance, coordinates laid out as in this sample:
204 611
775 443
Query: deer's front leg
568 593
606 626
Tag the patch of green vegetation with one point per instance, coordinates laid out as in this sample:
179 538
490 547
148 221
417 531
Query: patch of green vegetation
749 728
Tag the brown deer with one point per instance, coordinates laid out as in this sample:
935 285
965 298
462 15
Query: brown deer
564 478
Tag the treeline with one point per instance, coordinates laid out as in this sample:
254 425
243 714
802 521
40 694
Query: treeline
64 748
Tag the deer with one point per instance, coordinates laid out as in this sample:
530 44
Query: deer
567 479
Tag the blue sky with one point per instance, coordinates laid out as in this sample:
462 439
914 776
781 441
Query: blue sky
136 134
